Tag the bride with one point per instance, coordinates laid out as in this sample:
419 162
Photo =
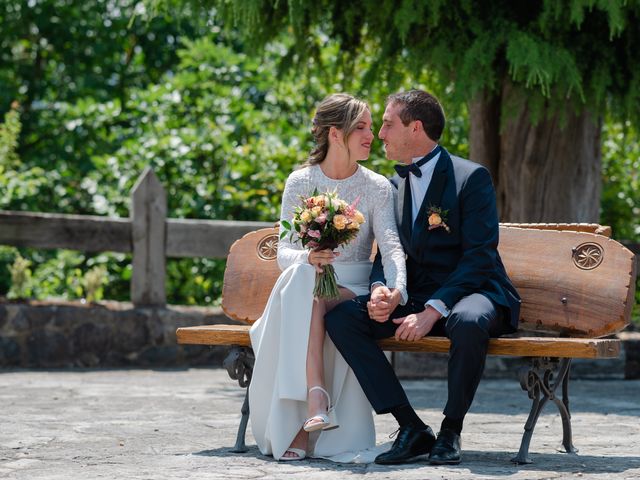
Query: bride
301 384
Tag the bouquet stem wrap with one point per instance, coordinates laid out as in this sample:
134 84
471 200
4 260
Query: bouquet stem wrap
327 284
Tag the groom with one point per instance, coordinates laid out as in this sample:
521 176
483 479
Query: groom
457 286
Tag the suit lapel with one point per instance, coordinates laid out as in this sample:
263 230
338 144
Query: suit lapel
399 184
404 210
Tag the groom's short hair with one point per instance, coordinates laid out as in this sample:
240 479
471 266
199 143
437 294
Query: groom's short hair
420 105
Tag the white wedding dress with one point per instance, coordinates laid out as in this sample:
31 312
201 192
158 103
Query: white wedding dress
278 389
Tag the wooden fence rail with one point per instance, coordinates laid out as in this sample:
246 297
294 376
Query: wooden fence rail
148 235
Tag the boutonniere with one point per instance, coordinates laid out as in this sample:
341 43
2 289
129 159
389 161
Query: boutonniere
437 219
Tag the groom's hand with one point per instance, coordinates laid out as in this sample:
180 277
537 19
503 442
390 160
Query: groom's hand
383 302
415 326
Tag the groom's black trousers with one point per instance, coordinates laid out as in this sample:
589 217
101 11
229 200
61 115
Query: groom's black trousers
473 320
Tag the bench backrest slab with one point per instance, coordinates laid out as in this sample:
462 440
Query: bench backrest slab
572 283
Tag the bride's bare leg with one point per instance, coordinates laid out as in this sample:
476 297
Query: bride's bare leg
315 365
317 401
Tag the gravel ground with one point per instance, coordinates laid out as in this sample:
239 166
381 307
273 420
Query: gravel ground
180 424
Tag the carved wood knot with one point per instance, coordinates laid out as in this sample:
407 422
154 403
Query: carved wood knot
268 247
588 256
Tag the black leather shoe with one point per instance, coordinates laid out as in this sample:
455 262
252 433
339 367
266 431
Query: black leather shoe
446 450
411 443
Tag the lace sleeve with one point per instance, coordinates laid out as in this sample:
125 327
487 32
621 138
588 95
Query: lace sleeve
288 252
386 234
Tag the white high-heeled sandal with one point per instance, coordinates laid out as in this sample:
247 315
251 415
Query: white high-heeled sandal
301 455
325 422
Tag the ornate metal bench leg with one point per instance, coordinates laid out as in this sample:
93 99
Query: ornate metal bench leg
530 381
539 380
239 365
563 407
240 446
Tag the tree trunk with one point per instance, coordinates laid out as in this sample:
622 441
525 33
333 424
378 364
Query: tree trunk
484 134
547 172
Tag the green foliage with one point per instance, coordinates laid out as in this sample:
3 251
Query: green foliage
17 181
7 257
9 133
56 53
621 187
580 50
93 282
540 64
221 139
621 180
83 72
66 274
195 281
20 278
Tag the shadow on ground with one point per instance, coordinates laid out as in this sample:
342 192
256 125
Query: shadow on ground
477 462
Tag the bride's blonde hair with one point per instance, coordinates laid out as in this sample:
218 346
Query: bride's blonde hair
338 110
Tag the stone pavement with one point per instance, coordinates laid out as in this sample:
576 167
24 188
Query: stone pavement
179 424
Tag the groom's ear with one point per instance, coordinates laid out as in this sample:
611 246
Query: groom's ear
417 126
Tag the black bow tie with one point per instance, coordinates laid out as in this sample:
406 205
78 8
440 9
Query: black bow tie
404 170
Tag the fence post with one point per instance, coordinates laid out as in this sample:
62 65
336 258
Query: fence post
148 232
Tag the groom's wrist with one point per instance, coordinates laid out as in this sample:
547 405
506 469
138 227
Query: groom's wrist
439 306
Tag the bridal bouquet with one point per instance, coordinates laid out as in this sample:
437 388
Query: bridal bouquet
324 222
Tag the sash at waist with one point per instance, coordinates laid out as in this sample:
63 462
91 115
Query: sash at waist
354 276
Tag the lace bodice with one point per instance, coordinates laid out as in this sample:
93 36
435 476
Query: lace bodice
376 204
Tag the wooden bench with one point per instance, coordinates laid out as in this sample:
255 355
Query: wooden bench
577 286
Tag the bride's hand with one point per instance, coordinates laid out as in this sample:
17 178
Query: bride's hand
318 258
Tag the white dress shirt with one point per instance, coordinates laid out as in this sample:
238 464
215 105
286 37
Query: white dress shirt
419 185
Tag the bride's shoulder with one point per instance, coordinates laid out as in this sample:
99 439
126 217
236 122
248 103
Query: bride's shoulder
299 174
375 178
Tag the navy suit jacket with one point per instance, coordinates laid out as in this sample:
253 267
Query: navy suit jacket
451 265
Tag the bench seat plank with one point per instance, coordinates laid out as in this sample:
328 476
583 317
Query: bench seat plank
522 346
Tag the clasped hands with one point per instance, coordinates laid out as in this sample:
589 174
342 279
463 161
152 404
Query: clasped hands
413 327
